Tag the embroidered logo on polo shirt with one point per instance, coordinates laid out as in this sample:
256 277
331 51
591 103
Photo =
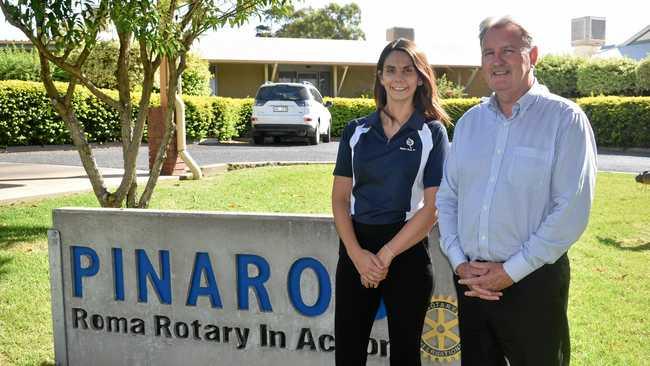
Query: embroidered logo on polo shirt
409 145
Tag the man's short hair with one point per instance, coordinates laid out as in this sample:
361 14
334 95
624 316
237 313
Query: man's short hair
499 22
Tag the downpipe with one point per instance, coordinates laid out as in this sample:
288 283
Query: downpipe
181 147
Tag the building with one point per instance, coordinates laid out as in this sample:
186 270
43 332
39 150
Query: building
636 47
344 68
16 44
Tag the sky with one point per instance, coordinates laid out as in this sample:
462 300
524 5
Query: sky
456 22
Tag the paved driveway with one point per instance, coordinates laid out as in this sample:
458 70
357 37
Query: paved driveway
204 154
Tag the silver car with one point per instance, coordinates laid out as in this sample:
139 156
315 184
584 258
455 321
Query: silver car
291 109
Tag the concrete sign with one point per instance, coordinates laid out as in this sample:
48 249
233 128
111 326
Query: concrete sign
145 287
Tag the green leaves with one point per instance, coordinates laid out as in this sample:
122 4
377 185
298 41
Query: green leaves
101 65
607 77
619 121
449 89
196 77
572 76
19 64
560 74
334 21
643 76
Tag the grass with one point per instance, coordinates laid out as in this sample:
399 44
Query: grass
610 291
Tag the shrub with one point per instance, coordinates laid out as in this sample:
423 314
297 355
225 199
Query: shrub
101 65
449 89
19 64
27 117
559 73
228 118
196 77
199 117
619 121
607 77
345 110
243 125
643 76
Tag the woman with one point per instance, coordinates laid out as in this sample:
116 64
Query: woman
388 169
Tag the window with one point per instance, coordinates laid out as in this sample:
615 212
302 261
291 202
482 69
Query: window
282 92
287 76
316 95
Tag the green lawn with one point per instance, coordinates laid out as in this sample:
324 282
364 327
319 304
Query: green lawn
610 290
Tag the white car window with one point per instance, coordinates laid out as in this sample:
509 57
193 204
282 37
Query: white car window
316 95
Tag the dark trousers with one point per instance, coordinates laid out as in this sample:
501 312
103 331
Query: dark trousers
406 292
528 325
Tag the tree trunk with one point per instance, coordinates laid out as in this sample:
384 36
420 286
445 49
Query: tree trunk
63 106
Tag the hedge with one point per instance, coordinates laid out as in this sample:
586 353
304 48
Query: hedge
560 74
643 76
619 121
607 77
347 109
27 118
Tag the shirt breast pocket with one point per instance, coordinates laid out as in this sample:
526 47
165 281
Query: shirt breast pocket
528 167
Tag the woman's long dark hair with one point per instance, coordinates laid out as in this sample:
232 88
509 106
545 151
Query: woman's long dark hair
425 99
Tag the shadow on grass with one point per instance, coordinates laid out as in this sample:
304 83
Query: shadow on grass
4 262
10 235
618 245
46 363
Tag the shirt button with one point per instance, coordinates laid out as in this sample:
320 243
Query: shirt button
491 179
484 207
483 237
499 151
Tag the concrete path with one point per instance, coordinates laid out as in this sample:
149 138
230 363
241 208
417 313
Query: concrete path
19 181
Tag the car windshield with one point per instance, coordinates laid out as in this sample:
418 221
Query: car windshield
282 92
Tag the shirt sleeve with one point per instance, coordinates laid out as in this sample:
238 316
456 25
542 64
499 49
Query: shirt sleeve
573 182
447 204
434 167
343 165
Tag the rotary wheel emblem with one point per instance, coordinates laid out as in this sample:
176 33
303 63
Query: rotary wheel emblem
440 337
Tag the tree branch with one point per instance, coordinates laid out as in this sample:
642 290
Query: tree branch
65 110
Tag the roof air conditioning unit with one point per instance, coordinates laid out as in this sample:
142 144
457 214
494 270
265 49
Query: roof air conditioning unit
588 31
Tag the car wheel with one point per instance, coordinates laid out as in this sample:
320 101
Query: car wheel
315 140
258 140
328 136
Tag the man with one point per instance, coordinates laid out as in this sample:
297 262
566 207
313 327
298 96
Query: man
516 193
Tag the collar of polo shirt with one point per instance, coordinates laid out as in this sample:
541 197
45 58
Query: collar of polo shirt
414 122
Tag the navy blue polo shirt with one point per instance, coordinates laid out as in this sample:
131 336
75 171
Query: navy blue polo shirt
389 176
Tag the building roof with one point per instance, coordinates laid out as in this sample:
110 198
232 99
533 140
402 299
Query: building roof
642 36
216 48
636 47
14 42
635 51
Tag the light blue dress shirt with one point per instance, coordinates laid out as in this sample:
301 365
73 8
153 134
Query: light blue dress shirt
517 190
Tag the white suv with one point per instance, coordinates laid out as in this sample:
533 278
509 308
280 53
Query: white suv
290 109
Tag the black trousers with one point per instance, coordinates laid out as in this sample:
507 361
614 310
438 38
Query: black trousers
406 292
528 325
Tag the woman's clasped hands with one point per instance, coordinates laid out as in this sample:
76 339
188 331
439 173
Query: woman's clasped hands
373 268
